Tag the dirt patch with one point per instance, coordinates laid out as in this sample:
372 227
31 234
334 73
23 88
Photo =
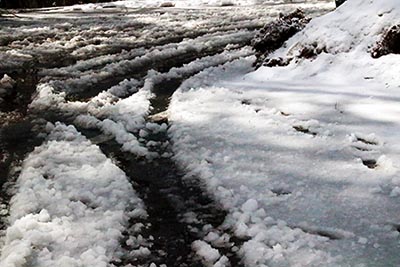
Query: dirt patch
311 51
20 96
167 4
276 33
339 2
304 130
389 44
370 163
12 150
367 142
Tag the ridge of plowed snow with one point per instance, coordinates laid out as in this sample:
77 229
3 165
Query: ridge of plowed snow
70 207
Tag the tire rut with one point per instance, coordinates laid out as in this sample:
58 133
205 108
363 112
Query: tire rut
161 185
168 198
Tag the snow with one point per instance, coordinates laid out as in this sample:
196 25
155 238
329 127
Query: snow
294 197
123 117
305 157
120 119
180 4
208 254
70 207
342 31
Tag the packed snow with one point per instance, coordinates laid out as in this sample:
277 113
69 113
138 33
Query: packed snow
305 157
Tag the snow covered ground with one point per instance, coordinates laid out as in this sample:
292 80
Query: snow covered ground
305 157
98 67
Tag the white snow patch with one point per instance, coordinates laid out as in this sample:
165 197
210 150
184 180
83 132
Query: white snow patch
209 255
292 143
71 205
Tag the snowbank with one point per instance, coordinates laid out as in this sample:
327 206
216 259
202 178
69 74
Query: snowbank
305 157
71 205
342 30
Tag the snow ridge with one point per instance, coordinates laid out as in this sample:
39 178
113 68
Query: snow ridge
70 205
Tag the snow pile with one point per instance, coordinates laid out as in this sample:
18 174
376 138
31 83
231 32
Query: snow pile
305 157
343 31
70 207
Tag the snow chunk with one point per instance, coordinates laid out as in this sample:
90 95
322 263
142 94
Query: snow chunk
250 205
208 254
